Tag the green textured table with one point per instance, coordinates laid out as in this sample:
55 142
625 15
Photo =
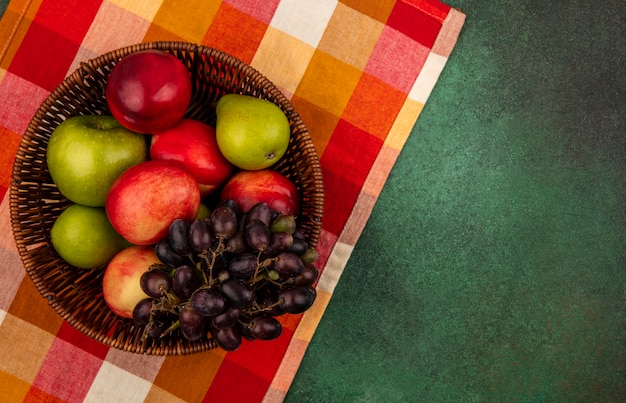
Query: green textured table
493 266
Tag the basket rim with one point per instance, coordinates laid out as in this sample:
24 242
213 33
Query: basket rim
93 67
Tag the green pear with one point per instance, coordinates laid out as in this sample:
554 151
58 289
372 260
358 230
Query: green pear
252 133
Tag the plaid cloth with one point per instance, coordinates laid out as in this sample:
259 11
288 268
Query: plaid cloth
358 72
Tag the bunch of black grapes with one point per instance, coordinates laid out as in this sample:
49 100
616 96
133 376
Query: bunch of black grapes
228 277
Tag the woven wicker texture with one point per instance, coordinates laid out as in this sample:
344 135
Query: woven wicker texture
35 202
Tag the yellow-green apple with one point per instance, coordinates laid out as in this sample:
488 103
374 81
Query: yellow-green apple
86 154
252 133
203 212
148 91
84 237
193 144
248 188
121 287
146 198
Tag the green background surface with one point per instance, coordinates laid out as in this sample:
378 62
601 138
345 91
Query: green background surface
493 265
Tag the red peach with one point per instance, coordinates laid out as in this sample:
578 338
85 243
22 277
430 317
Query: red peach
193 144
148 91
248 188
145 199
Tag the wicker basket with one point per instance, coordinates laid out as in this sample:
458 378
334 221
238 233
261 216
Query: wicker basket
35 202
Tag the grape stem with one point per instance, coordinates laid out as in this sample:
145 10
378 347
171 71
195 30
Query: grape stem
210 257
204 256
175 325
267 278
256 308
261 265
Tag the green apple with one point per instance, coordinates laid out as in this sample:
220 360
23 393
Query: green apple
84 237
203 212
252 133
87 153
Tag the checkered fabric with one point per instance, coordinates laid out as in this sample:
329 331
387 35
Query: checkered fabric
357 71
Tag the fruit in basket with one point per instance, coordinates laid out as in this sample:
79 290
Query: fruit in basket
146 198
86 154
229 286
155 282
121 287
148 91
248 188
193 144
265 327
84 237
252 133
204 211
300 165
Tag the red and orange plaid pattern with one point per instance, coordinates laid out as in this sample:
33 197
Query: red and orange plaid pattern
358 72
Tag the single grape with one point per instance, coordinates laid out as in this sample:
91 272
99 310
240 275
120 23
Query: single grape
192 324
185 282
264 327
279 242
199 236
299 234
288 264
243 266
227 318
299 246
179 236
223 275
238 293
228 338
257 235
273 275
237 243
207 302
298 299
244 330
223 222
155 283
260 211
284 223
308 276
167 254
143 311
311 255
231 204
155 329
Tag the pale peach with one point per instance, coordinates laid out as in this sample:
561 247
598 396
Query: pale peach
120 284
